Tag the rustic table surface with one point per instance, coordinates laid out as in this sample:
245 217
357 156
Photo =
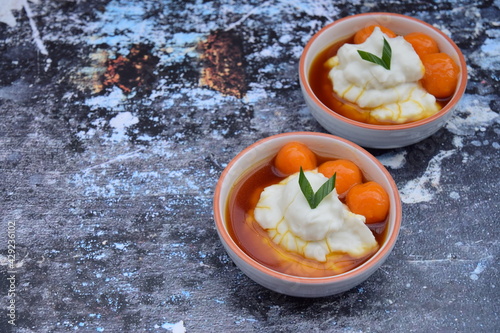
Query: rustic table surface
116 124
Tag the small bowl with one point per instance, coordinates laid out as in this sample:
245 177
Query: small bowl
368 135
325 145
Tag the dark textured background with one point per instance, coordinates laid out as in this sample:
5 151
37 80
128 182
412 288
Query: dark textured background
109 179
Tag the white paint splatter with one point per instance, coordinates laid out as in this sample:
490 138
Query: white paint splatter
474 275
6 16
6 9
118 17
475 114
393 160
118 158
35 33
422 189
204 98
247 15
120 246
318 8
174 328
111 101
458 141
120 123
489 54
476 143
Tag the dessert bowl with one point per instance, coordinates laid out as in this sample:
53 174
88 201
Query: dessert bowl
322 144
374 135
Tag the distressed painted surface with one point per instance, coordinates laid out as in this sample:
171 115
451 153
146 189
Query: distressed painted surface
109 178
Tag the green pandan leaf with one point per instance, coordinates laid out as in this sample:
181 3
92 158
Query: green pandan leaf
385 61
315 198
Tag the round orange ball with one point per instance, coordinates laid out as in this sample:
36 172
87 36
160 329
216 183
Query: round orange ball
292 156
422 43
348 174
441 74
370 200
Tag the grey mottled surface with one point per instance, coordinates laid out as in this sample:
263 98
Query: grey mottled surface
111 191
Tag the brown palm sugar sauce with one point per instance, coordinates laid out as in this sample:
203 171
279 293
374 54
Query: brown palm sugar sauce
255 242
322 87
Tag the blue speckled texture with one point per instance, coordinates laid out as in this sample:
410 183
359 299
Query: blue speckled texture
109 179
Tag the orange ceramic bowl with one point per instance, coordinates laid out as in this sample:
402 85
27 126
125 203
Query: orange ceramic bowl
368 135
324 145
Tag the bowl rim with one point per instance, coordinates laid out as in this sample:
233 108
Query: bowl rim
459 91
371 264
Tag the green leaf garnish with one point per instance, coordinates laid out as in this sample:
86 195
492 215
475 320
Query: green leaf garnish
315 198
385 61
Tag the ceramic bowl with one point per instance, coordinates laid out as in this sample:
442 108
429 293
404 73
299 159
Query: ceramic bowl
325 145
378 136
